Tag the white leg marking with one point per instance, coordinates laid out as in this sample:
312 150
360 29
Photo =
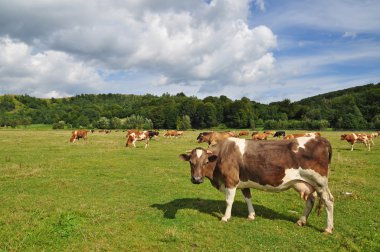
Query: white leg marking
251 211
328 199
230 195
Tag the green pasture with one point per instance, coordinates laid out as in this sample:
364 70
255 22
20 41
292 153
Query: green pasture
97 195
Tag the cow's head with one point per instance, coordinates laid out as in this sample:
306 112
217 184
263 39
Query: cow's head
203 137
199 160
343 137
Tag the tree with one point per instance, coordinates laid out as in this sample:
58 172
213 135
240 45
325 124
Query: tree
115 123
103 123
183 123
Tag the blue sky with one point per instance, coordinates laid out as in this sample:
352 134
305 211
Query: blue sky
266 50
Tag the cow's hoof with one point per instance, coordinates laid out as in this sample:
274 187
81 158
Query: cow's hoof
301 223
328 231
251 216
224 219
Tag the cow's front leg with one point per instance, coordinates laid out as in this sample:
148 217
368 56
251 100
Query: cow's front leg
248 199
230 195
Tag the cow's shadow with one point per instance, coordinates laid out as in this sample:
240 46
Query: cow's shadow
216 208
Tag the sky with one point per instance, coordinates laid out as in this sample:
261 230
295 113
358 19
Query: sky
266 50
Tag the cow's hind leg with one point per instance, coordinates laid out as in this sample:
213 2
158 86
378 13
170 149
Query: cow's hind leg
248 199
328 200
308 207
230 196
306 192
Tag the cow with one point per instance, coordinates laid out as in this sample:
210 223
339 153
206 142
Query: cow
356 137
370 138
204 137
152 134
135 135
213 138
273 166
292 136
260 136
173 133
279 133
268 132
243 133
77 134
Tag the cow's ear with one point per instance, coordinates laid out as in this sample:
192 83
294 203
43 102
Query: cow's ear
212 158
184 157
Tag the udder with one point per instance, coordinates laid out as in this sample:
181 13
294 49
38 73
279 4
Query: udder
304 189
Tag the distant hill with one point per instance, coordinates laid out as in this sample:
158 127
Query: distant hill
352 108
356 91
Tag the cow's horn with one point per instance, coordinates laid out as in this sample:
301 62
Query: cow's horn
209 152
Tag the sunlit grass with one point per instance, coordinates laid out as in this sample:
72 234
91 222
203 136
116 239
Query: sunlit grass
98 195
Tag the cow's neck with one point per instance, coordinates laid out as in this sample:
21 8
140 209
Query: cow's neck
213 175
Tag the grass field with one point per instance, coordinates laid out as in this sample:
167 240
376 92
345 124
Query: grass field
97 195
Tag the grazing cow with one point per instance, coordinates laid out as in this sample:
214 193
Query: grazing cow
152 134
279 133
77 134
268 132
173 133
204 137
273 166
213 138
135 135
356 137
370 139
243 133
312 134
260 136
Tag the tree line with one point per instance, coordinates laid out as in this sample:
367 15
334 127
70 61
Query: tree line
354 108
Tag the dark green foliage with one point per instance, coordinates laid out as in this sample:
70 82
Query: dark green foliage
353 108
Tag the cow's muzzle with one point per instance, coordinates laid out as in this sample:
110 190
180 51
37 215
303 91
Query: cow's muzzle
196 180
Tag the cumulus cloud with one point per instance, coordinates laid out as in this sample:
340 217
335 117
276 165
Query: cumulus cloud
64 45
44 74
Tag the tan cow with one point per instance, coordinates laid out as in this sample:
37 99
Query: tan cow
77 134
243 133
260 136
173 133
312 134
213 138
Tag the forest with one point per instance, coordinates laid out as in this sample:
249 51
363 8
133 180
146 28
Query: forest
352 108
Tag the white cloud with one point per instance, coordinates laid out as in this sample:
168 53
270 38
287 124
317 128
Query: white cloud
349 35
260 4
184 42
43 74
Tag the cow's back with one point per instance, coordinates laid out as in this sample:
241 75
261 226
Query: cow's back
267 162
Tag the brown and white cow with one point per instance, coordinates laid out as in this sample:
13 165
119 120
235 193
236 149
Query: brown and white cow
273 166
135 135
77 134
356 137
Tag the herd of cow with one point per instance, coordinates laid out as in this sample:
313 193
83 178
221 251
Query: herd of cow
212 137
298 161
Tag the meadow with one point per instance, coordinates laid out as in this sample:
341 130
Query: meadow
97 195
